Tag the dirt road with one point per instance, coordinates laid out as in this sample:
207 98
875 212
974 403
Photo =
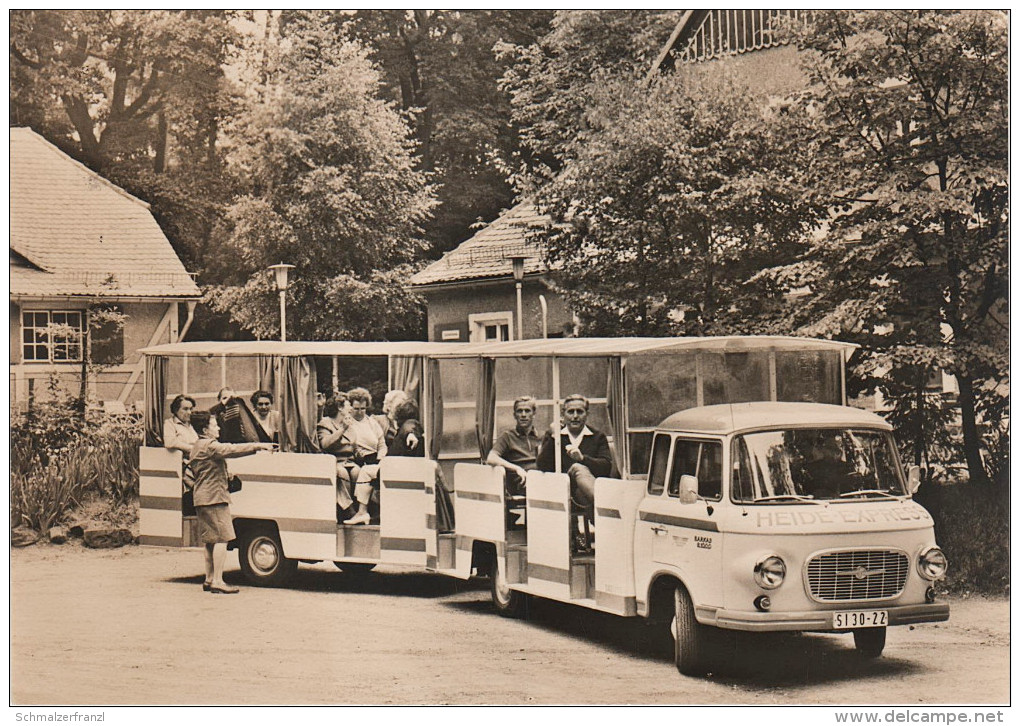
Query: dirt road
132 626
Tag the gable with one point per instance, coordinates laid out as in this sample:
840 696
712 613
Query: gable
703 35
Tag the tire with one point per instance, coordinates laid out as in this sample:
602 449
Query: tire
262 561
690 638
355 568
508 603
870 642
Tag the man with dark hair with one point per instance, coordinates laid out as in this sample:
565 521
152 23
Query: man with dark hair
228 416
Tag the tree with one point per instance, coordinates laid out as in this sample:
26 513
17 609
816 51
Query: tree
912 119
673 203
138 96
440 67
331 189
551 82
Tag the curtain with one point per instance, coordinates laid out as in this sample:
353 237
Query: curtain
485 411
434 399
616 404
406 371
155 398
296 383
267 374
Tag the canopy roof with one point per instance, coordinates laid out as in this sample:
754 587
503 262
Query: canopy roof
561 347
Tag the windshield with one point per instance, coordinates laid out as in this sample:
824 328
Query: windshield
814 465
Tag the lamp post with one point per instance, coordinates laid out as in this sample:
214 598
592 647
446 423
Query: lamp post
518 267
280 271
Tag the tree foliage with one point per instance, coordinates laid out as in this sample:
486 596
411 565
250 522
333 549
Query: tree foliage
551 82
136 95
332 188
912 120
673 203
439 66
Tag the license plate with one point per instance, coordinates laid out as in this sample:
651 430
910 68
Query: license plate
860 619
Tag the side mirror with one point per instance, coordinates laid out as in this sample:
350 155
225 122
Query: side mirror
688 489
913 479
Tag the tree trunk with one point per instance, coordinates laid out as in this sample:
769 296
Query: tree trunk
919 444
162 135
971 436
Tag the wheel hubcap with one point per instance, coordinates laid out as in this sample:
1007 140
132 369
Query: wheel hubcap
264 555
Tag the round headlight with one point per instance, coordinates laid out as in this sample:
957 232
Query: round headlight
932 564
770 572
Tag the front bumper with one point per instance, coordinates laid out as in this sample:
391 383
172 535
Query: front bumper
815 619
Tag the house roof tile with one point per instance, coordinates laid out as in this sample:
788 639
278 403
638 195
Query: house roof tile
489 253
75 233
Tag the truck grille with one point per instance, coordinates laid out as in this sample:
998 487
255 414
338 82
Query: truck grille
857 575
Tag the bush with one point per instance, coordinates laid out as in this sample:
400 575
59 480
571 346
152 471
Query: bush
972 527
59 460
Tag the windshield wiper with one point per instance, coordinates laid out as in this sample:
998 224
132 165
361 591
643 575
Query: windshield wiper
865 492
784 497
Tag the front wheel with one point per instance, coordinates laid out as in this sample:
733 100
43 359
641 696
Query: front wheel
262 560
870 642
690 638
508 603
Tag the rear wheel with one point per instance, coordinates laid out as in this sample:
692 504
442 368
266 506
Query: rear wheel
870 642
262 560
355 568
508 603
690 638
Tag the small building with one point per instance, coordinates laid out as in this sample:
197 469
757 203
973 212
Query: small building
79 244
471 291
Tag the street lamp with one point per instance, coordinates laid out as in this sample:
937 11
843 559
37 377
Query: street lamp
280 271
518 266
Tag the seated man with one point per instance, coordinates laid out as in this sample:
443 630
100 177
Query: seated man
331 431
228 416
516 449
369 441
584 454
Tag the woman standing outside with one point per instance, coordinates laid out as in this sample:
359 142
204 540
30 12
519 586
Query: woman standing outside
212 498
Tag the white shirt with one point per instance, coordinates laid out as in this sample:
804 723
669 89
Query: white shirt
576 441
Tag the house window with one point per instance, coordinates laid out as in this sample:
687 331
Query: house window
491 327
52 336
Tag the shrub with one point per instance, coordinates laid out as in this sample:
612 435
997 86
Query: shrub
972 527
57 461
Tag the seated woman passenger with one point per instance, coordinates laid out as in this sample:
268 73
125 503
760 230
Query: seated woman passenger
331 431
178 435
267 421
369 442
387 419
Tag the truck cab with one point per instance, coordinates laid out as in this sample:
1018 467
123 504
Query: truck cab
782 516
